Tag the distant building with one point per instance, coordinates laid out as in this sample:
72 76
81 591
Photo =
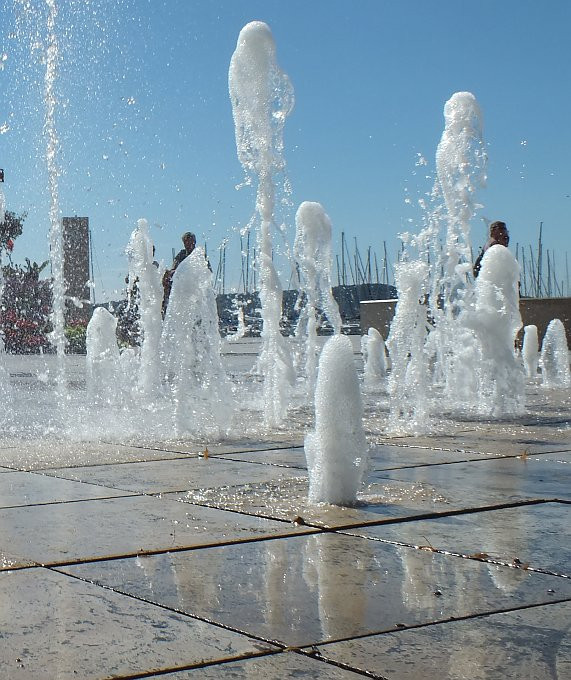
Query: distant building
76 266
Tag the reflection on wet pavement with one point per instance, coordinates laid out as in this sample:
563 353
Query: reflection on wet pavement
126 561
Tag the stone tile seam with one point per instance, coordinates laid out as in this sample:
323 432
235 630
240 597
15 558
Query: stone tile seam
451 619
451 553
166 551
436 515
195 666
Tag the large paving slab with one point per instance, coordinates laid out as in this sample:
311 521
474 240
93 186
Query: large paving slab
69 532
534 644
535 535
488 482
26 488
283 666
37 454
55 627
236 445
558 457
381 457
308 589
287 501
176 475
496 440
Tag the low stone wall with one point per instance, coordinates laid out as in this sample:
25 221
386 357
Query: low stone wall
538 311
377 314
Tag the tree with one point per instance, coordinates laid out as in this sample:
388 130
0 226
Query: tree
26 305
10 229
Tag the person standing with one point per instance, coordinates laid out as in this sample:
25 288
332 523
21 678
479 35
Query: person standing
498 235
189 242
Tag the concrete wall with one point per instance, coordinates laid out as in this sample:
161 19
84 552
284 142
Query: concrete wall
538 311
377 314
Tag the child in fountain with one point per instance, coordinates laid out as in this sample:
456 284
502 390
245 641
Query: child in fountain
498 235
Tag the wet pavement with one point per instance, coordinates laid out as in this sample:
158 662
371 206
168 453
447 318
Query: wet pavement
182 561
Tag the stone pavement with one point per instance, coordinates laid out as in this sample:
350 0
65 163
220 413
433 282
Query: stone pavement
120 561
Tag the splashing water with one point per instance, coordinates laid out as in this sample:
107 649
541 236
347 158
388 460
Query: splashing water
57 336
262 98
2 204
312 250
408 380
530 350
104 378
336 450
554 359
190 349
375 358
495 320
461 171
461 168
145 277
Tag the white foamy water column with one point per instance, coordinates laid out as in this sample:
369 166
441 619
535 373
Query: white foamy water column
5 391
336 451
262 97
554 359
190 349
104 377
2 204
148 281
57 336
495 320
408 379
530 350
312 250
461 171
375 359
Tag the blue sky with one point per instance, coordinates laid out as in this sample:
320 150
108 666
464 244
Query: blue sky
145 122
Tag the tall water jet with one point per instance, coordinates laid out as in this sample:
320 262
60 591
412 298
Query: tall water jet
190 349
144 277
262 98
461 170
530 350
57 335
336 451
2 204
375 359
495 320
313 254
408 380
554 358
5 392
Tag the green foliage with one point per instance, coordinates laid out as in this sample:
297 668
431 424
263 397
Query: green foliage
11 228
26 305
75 333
